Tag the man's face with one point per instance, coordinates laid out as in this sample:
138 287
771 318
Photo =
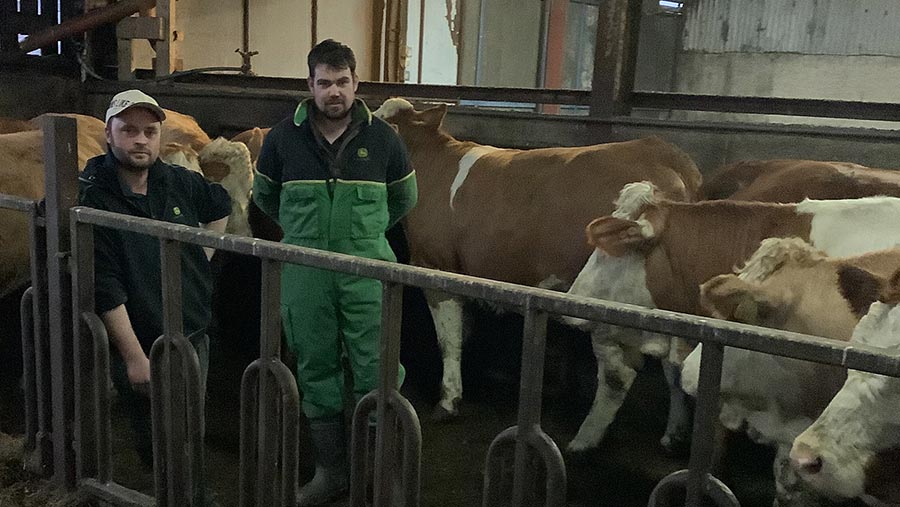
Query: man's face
133 137
333 90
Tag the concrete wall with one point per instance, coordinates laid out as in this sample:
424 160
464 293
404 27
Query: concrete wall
279 29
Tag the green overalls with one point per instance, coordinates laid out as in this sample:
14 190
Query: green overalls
341 198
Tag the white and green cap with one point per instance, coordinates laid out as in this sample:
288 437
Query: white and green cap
133 98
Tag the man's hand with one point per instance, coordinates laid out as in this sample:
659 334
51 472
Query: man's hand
139 373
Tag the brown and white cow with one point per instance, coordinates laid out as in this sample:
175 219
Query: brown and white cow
656 253
853 449
513 215
795 180
787 284
22 174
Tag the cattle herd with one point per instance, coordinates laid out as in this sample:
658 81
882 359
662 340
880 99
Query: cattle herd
799 245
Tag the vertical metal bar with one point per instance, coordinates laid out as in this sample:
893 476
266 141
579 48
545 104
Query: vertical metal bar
42 458
378 28
391 312
615 57
705 415
247 473
167 387
87 391
531 384
479 50
29 384
421 40
61 190
270 346
314 23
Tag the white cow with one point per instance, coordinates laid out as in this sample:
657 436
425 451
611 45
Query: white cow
853 448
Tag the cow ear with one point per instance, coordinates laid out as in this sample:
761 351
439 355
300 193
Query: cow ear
891 293
861 288
730 298
616 236
434 116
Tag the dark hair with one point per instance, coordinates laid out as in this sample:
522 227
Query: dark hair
333 54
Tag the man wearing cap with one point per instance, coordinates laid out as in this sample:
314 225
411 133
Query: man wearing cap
335 178
132 180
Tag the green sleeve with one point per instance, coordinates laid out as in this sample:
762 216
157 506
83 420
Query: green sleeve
267 178
402 196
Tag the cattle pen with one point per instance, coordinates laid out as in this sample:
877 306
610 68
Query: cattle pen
725 81
67 422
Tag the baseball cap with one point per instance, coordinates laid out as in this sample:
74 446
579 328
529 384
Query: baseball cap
133 98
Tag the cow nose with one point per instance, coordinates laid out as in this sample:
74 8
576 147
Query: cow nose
805 460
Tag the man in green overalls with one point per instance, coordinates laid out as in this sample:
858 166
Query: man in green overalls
335 178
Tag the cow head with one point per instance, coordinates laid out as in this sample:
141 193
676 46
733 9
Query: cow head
253 138
843 453
787 284
415 127
224 162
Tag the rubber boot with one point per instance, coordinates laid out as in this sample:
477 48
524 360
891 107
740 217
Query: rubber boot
332 478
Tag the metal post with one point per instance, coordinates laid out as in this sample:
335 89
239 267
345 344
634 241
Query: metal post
61 190
615 57
88 391
527 435
267 388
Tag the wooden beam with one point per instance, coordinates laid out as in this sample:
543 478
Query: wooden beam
140 28
615 55
166 50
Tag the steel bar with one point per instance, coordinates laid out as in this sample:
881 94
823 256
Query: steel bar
41 460
101 402
410 436
61 190
715 489
248 459
770 341
29 375
116 494
88 331
706 416
84 23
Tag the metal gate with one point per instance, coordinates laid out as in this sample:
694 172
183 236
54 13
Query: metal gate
269 398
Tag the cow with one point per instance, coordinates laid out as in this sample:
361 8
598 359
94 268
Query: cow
10 125
787 284
513 215
795 180
853 449
656 253
253 138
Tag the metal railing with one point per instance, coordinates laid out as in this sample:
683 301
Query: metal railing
536 303
76 375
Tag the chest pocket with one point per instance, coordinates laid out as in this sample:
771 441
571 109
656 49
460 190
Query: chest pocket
369 215
299 214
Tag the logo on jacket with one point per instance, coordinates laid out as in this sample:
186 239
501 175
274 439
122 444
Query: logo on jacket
362 153
177 211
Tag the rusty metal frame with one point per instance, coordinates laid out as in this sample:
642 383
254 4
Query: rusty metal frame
268 459
35 343
713 333
393 412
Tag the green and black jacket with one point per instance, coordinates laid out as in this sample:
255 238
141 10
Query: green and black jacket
127 267
340 197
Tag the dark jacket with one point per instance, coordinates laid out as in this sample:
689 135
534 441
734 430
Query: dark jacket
127 266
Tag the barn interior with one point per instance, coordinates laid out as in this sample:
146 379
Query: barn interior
724 80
